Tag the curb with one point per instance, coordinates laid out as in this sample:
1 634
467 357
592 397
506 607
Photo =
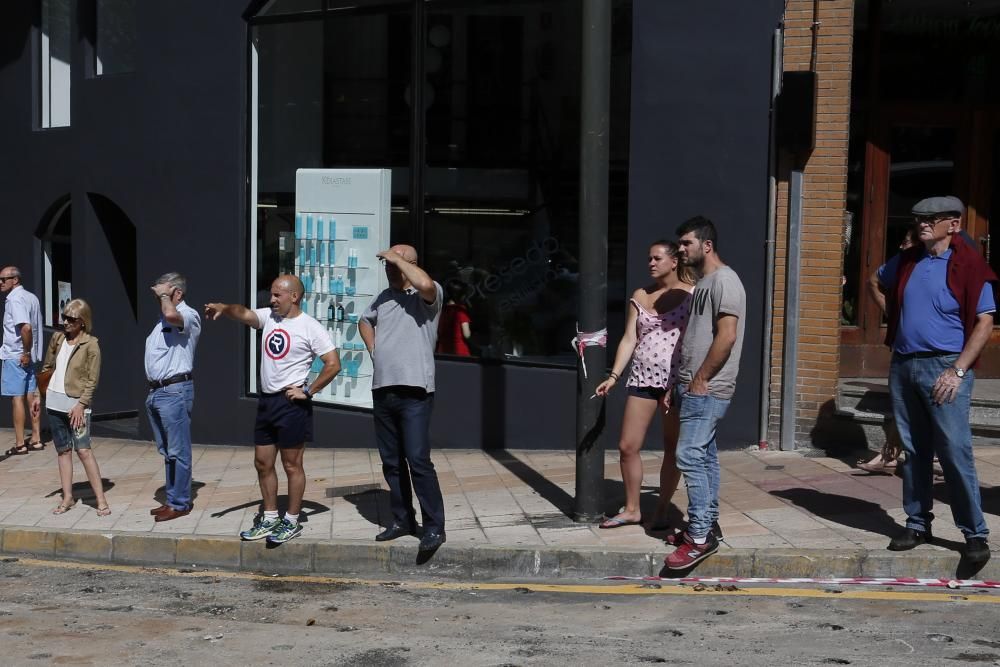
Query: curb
353 558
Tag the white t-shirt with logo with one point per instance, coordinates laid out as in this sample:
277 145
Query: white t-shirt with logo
288 348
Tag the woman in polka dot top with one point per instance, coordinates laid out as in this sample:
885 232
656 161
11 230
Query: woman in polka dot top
657 317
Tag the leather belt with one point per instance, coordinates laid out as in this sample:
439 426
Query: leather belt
173 379
924 355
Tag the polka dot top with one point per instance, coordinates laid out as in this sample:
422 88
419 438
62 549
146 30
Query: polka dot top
658 350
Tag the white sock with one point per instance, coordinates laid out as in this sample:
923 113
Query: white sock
292 518
700 540
270 515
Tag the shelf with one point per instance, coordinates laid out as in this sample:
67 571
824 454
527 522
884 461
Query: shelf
348 296
325 240
350 268
341 322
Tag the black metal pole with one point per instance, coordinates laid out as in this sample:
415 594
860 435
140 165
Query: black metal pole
593 284
417 85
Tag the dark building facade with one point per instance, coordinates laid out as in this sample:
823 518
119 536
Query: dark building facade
141 138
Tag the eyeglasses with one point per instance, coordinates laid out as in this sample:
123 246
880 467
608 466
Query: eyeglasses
69 319
931 220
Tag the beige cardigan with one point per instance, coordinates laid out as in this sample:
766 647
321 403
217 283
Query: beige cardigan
83 369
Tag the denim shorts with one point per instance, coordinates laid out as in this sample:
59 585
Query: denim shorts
282 422
64 436
17 380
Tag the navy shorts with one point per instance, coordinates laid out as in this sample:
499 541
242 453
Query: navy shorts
652 393
283 422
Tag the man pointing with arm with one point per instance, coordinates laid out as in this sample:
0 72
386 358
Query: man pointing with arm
292 339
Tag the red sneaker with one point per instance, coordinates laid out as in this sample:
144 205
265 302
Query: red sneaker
688 553
673 539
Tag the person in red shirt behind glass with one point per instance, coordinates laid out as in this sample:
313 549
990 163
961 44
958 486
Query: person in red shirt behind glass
455 327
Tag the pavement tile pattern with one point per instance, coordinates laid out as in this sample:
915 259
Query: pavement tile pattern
512 498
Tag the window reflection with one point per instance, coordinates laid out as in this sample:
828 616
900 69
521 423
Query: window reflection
501 134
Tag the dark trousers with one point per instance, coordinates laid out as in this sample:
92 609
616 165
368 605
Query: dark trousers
402 425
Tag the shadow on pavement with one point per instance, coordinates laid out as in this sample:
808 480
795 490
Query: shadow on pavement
548 490
161 493
83 493
367 503
309 508
851 512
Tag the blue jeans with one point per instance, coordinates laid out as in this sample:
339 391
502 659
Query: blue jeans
698 456
927 429
402 425
169 410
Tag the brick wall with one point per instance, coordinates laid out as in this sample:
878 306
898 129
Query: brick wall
825 181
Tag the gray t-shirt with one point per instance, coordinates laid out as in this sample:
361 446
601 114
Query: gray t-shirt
406 329
720 292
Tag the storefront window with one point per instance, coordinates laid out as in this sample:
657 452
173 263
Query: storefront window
54 48
500 170
116 37
57 261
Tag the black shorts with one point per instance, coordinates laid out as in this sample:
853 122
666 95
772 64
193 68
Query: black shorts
283 422
652 393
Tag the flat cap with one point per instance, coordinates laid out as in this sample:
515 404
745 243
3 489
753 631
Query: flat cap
938 205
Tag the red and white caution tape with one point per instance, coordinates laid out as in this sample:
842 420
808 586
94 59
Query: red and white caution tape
834 581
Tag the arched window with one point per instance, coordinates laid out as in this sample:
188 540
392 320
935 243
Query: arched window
55 234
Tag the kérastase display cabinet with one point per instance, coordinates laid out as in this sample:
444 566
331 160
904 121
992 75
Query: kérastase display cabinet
341 222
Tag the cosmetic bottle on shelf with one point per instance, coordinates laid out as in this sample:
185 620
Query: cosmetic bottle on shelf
298 225
319 228
309 226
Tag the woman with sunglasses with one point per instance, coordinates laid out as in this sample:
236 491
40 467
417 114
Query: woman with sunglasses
657 318
74 357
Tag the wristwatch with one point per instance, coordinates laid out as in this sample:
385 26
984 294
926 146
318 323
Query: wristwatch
960 372
309 394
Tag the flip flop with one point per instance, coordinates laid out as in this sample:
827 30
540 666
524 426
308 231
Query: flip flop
104 511
615 522
62 509
884 468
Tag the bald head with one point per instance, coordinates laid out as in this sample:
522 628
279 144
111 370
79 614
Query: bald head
286 295
289 283
408 252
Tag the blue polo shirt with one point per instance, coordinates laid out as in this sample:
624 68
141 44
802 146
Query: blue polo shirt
170 349
929 320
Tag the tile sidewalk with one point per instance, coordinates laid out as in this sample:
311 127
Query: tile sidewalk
512 499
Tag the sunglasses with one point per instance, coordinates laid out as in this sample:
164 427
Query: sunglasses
70 320
931 220
4 279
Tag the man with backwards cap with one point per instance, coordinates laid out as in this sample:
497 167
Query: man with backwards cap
939 304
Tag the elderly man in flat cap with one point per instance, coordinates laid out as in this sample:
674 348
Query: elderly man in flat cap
939 304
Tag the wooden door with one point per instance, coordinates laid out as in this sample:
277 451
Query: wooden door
911 153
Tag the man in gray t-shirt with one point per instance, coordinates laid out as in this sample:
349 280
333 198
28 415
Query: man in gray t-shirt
710 360
400 331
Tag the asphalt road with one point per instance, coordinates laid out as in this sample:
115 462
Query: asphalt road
77 614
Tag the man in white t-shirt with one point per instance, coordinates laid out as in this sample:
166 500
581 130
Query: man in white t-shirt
292 340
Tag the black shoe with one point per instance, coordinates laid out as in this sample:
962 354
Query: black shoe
977 550
432 540
909 539
394 531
